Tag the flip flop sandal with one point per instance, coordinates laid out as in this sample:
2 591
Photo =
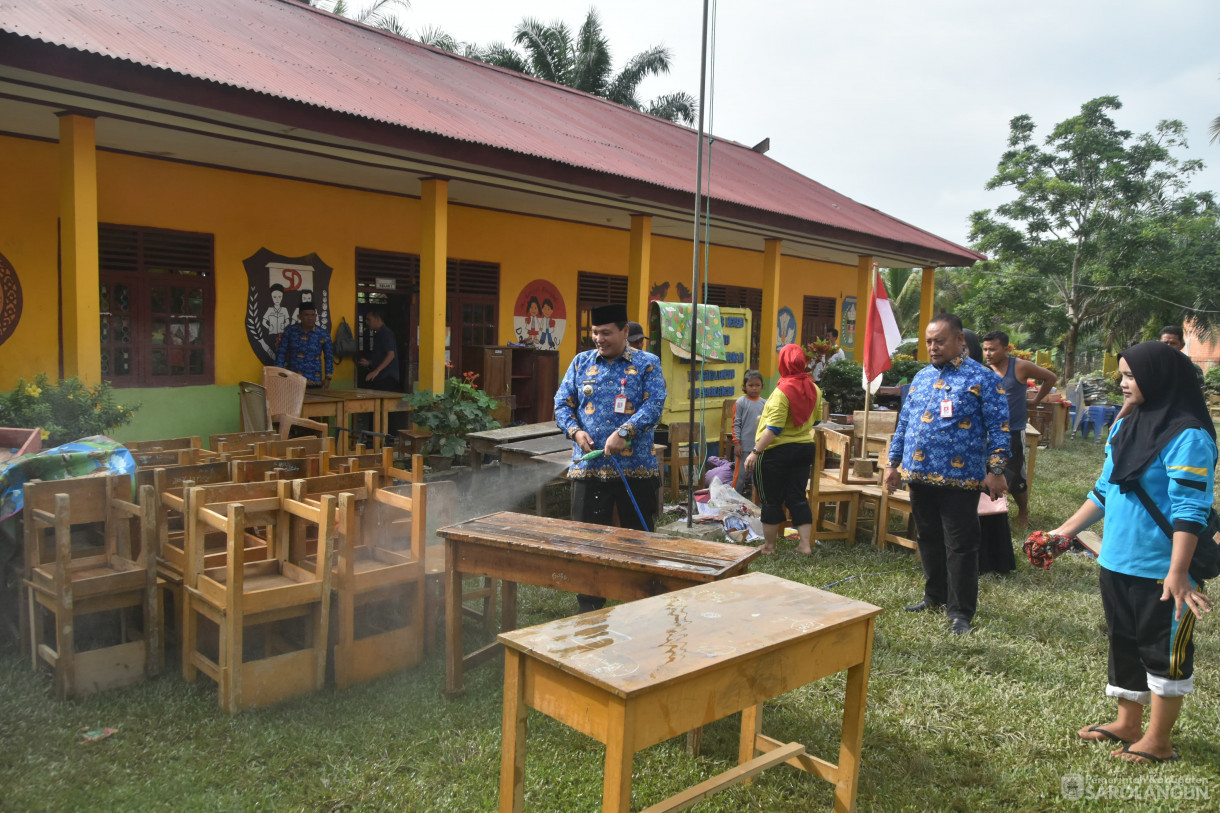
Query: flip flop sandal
1106 736
1147 757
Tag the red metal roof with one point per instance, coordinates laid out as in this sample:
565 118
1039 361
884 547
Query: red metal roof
287 50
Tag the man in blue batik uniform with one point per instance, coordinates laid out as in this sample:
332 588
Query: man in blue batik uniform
611 399
305 347
951 443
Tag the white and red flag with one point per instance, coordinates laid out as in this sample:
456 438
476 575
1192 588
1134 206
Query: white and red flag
881 338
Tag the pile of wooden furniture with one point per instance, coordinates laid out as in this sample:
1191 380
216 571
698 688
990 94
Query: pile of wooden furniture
281 560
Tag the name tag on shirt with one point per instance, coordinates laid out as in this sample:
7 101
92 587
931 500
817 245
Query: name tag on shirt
946 408
620 404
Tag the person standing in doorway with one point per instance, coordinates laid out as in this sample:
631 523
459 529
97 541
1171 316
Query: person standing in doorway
305 348
950 443
1014 372
611 399
383 360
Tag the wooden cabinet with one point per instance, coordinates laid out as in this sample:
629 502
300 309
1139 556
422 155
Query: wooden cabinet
1051 419
522 379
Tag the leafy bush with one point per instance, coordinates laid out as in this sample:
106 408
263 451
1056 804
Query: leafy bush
1211 380
843 386
461 409
904 368
66 410
908 349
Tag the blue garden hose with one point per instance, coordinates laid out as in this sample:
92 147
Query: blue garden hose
596 453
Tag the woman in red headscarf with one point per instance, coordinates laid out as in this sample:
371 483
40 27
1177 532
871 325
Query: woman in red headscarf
783 450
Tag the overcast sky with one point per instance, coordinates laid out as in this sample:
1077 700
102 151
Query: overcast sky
904 106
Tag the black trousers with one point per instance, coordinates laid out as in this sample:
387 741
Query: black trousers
594 501
1144 638
947 520
781 474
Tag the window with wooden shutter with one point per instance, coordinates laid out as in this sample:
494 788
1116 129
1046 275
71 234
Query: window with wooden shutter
157 303
594 290
817 318
737 296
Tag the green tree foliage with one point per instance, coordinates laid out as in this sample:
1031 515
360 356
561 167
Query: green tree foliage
843 387
1102 235
582 60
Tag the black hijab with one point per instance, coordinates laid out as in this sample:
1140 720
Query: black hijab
972 344
1172 403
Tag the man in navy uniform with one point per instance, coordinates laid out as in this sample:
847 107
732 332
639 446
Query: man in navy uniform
611 399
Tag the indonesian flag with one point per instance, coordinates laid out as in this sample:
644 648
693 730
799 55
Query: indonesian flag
881 338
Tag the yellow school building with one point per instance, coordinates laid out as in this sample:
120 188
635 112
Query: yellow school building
168 166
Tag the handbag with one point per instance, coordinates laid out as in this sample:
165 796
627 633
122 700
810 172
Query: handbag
988 506
1205 564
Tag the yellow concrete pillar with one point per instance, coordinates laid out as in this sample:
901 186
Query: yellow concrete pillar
768 363
927 301
82 349
864 287
433 254
639 264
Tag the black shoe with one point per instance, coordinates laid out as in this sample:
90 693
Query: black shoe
959 626
922 606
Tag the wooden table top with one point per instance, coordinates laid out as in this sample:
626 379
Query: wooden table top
535 447
622 548
512 434
629 648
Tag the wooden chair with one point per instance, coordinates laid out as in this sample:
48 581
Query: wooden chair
726 428
239 444
166 445
168 495
380 462
681 434
293 447
242 594
96 580
825 490
900 503
170 457
378 586
292 468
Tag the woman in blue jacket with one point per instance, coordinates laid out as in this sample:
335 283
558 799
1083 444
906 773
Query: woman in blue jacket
1165 443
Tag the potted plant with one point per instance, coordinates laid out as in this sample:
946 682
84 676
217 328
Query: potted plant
461 409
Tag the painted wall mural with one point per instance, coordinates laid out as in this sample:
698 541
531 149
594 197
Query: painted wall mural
539 316
276 286
786 322
10 299
847 327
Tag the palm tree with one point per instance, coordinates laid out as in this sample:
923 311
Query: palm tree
583 61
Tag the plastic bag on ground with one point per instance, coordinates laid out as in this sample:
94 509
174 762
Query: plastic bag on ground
730 503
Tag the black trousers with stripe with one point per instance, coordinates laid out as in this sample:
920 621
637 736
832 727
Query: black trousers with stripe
1144 637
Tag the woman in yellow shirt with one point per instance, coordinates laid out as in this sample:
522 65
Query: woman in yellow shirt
783 450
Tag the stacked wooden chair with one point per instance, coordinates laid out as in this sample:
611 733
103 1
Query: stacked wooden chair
826 490
243 595
169 489
378 584
67 584
684 439
237 445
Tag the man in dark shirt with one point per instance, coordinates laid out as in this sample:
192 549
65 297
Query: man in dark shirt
383 360
1172 335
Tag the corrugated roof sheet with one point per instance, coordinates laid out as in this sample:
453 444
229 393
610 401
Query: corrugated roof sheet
288 50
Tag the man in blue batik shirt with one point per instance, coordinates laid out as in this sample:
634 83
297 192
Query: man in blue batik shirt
611 399
304 348
951 443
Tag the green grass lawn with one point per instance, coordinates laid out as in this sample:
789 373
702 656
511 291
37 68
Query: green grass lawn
977 723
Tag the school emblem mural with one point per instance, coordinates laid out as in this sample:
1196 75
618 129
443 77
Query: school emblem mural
539 316
277 285
10 299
